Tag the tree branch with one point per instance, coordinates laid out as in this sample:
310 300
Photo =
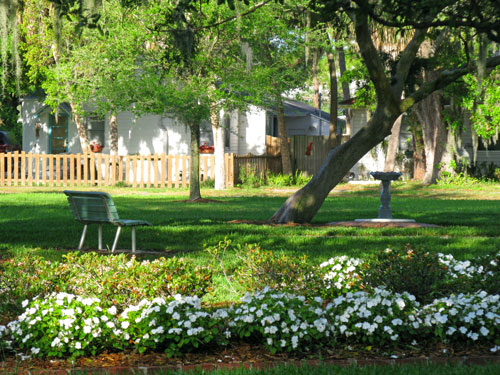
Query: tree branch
444 78
407 58
233 17
370 57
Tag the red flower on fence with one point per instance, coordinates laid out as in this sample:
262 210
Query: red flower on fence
308 151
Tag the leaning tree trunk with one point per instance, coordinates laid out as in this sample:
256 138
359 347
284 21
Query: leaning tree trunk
194 167
286 159
218 133
305 203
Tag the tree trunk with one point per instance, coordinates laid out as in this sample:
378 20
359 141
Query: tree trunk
81 129
315 81
418 154
218 134
345 89
194 167
393 148
305 203
286 159
333 139
434 134
113 133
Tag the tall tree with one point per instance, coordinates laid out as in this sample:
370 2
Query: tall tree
278 61
196 70
303 205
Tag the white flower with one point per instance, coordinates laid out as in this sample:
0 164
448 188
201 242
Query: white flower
78 345
110 325
87 329
112 310
125 324
484 331
35 351
25 303
269 341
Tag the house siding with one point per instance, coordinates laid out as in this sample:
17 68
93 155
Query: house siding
248 132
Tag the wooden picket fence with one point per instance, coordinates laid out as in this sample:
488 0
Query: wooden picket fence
95 169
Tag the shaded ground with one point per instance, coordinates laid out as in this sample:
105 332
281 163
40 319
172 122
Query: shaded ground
360 224
257 356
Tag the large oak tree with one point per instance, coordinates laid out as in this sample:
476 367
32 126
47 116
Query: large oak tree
482 15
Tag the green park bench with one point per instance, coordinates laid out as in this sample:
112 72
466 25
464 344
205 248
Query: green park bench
98 208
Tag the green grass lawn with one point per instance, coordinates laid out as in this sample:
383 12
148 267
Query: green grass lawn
39 220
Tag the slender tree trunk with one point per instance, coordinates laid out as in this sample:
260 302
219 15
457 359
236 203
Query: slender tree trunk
345 89
80 128
333 138
393 148
418 152
113 133
194 170
434 134
286 159
218 134
315 80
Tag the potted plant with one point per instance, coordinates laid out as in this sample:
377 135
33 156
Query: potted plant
205 149
96 147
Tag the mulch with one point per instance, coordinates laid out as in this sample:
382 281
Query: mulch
242 355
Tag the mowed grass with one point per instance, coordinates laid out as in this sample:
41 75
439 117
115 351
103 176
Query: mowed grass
39 220
325 369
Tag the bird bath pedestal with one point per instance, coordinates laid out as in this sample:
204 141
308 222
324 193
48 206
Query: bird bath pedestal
385 211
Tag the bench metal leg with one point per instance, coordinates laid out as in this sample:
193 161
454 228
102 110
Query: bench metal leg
117 236
133 239
99 236
83 236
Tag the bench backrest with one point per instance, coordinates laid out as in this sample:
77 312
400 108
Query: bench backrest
88 206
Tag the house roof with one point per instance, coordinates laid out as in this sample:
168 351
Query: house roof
64 107
298 109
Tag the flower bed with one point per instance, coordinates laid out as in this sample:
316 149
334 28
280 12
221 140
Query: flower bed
67 325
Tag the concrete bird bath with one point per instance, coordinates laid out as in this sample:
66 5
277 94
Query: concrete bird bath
385 211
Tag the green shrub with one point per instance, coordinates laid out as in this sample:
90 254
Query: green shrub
208 184
250 178
301 179
116 279
279 180
278 271
417 272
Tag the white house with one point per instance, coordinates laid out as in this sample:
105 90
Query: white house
46 132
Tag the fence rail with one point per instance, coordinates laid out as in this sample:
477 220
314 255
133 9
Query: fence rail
159 170
96 169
